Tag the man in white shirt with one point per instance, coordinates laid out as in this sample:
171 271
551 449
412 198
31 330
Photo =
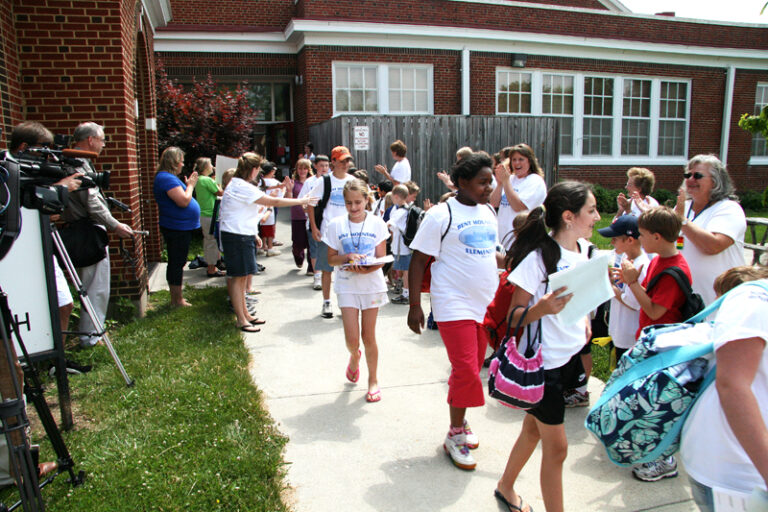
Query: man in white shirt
401 171
341 159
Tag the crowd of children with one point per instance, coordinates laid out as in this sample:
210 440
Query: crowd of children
500 221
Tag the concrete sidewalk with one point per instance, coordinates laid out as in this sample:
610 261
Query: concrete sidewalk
347 455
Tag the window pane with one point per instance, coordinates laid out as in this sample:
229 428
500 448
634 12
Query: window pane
634 137
282 102
356 78
342 101
566 136
759 146
421 103
394 78
597 136
342 77
408 79
356 101
260 98
503 107
371 101
518 86
394 101
370 78
408 104
598 116
672 118
635 125
421 79
671 138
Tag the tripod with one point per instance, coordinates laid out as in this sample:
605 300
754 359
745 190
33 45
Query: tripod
85 302
14 422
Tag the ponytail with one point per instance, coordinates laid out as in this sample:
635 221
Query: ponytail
531 236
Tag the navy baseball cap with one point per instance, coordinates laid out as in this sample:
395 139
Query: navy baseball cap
624 225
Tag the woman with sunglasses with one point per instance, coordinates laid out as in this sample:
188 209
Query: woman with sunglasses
713 223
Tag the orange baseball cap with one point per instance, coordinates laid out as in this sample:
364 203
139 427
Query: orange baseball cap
340 153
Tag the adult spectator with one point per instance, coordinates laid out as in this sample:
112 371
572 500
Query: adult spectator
179 215
713 223
207 190
640 182
90 203
401 171
724 442
308 154
522 188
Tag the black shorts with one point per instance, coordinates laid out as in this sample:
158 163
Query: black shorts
551 409
586 350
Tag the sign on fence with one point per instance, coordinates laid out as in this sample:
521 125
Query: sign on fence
362 138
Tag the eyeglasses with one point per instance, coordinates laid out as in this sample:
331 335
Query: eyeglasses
694 175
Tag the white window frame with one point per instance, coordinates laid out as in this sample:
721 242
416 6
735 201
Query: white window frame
758 159
382 87
616 158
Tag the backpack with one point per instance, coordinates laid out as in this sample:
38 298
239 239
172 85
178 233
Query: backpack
323 201
495 321
645 403
412 222
693 302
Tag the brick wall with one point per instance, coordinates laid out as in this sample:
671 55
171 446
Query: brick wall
274 14
10 92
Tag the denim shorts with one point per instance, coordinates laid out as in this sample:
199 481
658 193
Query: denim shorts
312 244
240 254
402 262
322 258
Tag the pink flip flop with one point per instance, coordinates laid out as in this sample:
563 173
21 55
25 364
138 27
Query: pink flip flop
353 376
373 397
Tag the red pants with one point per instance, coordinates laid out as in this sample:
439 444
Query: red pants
465 345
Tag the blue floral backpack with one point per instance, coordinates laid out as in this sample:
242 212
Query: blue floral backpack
645 403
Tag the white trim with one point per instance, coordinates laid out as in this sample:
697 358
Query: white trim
725 135
465 82
637 160
758 160
158 12
300 33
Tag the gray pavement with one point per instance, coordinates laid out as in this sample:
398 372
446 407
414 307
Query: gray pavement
347 455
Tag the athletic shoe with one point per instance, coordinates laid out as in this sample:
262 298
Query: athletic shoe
317 283
273 252
327 311
260 267
456 448
471 438
251 299
656 470
261 252
400 299
575 398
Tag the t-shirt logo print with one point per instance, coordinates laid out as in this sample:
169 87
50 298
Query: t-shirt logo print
337 196
366 245
478 237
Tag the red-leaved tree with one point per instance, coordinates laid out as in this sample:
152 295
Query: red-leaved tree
204 120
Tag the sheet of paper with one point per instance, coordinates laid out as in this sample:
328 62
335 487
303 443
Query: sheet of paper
732 501
589 284
222 164
369 262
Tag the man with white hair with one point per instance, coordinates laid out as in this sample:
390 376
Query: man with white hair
90 203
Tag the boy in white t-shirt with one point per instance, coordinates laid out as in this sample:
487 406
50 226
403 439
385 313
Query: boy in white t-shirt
403 196
625 310
401 171
341 159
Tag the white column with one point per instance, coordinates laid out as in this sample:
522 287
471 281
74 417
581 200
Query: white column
465 81
725 135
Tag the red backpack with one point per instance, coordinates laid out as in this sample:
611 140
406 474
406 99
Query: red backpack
495 321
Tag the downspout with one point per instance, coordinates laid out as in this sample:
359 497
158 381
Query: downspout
725 136
465 81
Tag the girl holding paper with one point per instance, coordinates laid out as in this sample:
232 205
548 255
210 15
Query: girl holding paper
361 289
570 212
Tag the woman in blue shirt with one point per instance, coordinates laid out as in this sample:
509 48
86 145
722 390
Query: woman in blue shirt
179 216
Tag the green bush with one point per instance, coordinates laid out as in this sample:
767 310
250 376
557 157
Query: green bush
606 198
665 197
765 198
751 200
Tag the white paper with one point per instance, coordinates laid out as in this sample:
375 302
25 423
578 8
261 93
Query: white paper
223 163
729 501
589 284
370 262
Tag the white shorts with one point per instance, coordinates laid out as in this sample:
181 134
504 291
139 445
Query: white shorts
62 288
362 300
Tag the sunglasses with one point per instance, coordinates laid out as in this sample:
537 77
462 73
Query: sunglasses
695 175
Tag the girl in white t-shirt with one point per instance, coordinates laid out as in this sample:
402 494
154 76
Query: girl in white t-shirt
271 187
461 235
360 289
570 211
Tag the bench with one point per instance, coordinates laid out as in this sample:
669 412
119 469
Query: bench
758 248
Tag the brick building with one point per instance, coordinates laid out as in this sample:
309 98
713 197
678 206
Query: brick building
64 62
630 89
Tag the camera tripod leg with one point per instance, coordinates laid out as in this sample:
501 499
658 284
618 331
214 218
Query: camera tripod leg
85 302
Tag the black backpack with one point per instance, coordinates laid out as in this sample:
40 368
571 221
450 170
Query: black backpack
412 222
323 201
693 301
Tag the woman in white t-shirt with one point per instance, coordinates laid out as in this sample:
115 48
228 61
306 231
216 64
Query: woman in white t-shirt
461 235
713 223
522 188
570 211
640 182
724 443
239 216
360 289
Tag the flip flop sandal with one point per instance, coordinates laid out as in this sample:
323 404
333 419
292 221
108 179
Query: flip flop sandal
353 376
373 397
258 322
249 328
510 506
218 273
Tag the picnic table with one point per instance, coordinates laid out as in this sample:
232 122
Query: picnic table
758 247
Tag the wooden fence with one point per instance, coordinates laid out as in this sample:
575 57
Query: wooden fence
433 140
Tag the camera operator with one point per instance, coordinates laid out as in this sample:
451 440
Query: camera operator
90 203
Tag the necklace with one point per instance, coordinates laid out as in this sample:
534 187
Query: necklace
359 233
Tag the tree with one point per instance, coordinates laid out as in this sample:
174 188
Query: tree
205 120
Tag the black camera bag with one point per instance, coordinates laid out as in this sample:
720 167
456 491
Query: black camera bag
85 242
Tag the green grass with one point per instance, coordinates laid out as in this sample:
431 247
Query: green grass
192 434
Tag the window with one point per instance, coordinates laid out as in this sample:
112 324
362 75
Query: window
604 119
382 88
759 144
514 92
672 118
272 100
598 116
557 100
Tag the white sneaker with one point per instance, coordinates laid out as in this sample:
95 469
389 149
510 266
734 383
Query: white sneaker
456 448
656 470
471 438
317 284
273 252
327 311
261 252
